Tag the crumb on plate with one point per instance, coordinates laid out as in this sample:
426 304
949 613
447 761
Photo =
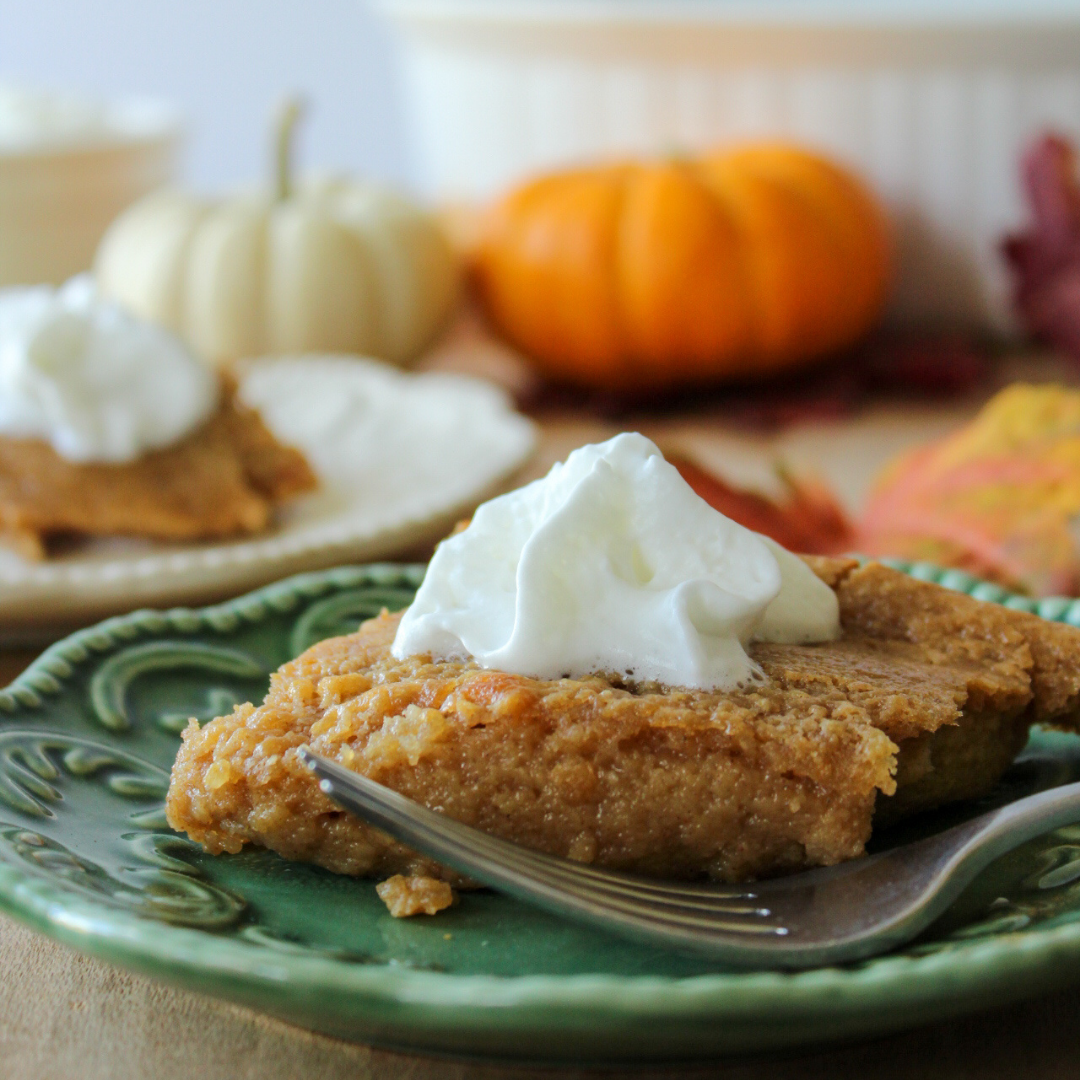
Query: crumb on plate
415 895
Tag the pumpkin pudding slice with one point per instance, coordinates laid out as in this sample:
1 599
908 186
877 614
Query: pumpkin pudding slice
223 480
925 698
109 425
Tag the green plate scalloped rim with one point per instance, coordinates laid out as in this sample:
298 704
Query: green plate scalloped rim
86 738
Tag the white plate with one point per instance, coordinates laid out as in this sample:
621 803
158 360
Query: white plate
399 458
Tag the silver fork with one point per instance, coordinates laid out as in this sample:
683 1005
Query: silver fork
841 913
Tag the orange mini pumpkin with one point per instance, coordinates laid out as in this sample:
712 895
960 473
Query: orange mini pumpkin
648 275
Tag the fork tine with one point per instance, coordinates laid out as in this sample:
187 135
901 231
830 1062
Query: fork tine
600 896
671 914
683 892
610 884
614 889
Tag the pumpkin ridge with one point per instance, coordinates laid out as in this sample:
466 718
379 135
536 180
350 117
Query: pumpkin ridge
754 283
223 289
561 303
856 223
680 290
829 320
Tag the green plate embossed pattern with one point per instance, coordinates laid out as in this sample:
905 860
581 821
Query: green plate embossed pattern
87 736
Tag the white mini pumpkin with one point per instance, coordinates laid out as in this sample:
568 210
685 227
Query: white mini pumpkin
331 266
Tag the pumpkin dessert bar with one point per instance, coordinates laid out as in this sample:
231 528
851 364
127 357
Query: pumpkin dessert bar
221 481
925 698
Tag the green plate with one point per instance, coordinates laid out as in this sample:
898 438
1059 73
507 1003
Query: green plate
87 736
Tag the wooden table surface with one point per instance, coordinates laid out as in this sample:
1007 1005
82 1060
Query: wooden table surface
64 1015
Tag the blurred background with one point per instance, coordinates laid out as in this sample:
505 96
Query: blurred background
931 102
226 66
901 241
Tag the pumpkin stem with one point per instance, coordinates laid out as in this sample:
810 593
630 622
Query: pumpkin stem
288 117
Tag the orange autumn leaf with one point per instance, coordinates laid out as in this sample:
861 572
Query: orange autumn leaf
1000 497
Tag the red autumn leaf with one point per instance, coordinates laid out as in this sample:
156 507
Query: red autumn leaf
808 520
1045 259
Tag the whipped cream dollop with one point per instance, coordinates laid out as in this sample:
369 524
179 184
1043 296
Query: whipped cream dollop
92 380
613 564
